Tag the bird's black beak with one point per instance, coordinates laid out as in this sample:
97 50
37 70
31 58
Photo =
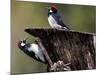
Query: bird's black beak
48 8
25 39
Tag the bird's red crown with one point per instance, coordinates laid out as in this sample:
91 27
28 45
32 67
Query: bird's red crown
54 8
19 44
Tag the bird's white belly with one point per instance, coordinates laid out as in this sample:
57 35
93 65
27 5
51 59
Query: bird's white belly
35 48
53 23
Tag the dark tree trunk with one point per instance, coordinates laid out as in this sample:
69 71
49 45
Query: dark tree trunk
71 47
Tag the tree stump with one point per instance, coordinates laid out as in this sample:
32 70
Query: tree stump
67 47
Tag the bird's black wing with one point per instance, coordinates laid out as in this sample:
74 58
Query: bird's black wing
58 18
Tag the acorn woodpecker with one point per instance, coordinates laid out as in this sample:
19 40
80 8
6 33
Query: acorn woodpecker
32 50
55 20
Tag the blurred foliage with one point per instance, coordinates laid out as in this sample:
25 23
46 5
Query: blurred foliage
33 14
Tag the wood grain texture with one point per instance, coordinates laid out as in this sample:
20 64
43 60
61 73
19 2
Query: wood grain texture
69 46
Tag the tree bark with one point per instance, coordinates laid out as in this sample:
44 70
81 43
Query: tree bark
72 47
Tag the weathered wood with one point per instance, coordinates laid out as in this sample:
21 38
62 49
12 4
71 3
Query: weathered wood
71 47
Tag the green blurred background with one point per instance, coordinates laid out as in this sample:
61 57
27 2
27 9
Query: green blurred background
33 14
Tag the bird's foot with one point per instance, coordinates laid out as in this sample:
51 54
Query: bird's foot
60 66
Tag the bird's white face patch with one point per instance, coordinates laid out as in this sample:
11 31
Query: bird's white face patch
22 44
50 11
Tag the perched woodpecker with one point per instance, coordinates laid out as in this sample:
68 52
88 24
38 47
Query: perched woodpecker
32 50
55 20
